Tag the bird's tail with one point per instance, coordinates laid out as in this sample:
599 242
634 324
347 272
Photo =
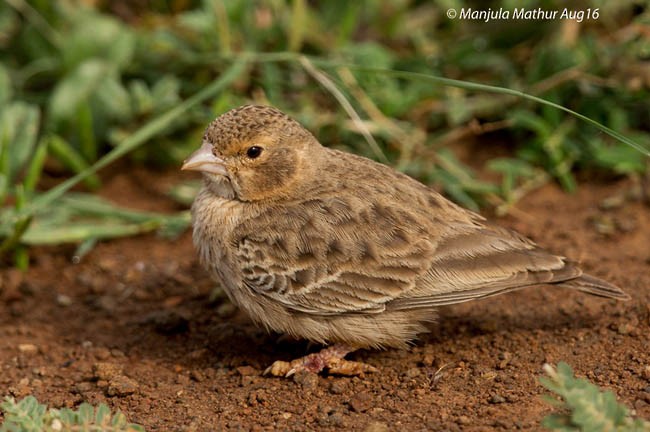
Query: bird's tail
594 286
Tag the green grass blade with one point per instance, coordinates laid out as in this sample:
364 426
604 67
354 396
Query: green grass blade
92 205
491 89
327 82
32 15
87 142
223 28
77 232
5 169
138 138
36 166
20 227
69 157
298 24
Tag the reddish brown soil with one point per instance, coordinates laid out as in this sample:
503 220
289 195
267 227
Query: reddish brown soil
132 326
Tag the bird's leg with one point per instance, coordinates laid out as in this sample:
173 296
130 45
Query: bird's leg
330 358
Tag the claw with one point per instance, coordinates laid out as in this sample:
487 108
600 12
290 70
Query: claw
278 368
352 368
330 359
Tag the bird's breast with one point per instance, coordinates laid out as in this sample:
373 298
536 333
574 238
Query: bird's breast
213 220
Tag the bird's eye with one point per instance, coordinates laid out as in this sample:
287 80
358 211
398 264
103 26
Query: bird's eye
253 152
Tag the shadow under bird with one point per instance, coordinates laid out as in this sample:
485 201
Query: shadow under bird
344 251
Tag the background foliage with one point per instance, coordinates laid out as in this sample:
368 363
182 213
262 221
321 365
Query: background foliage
582 406
85 83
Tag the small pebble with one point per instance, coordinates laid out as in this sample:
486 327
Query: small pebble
497 399
121 386
646 373
20 391
376 427
83 387
106 303
413 372
337 418
307 380
256 397
63 300
117 353
628 327
249 380
338 386
361 402
646 396
428 357
197 375
504 358
247 371
29 349
106 371
101 353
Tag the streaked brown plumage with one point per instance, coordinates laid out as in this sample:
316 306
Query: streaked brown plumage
338 249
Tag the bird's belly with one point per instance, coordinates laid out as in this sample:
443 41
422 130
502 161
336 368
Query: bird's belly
216 220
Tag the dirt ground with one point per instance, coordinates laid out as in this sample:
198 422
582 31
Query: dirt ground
133 325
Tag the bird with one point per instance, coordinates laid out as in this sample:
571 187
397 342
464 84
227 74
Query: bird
340 250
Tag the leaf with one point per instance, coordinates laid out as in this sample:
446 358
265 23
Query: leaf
19 126
141 97
102 415
86 413
35 167
510 166
97 36
5 86
70 158
532 122
589 409
76 88
166 92
29 415
184 193
119 421
114 100
620 158
66 415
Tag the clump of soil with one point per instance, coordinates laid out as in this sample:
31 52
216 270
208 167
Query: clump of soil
133 326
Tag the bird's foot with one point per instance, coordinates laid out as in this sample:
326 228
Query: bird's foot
330 359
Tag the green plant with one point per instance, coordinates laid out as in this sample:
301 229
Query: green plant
28 415
585 407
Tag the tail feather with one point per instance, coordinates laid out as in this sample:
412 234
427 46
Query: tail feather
594 286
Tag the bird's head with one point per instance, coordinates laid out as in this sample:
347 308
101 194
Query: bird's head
253 153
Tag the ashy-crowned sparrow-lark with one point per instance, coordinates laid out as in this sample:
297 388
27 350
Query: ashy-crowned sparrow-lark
340 250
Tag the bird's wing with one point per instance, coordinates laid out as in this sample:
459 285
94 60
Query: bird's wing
481 261
333 255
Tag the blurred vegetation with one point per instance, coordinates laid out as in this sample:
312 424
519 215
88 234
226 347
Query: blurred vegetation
583 407
28 415
84 83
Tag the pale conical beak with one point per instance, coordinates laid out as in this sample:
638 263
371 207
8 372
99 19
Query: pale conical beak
205 161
